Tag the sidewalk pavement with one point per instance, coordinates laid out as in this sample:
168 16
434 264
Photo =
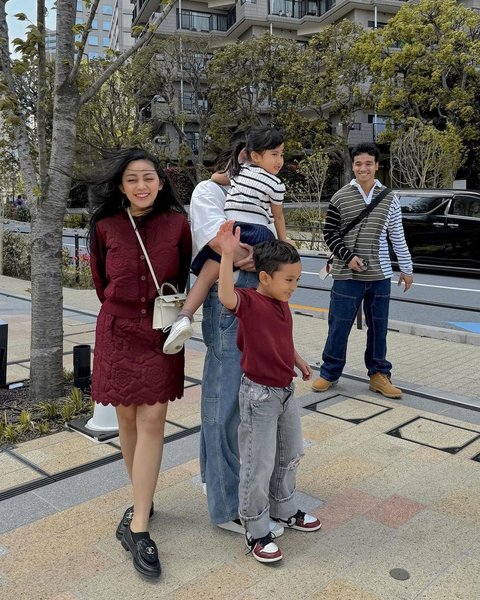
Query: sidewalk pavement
396 484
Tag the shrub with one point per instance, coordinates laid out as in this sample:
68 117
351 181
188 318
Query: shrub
17 249
16 255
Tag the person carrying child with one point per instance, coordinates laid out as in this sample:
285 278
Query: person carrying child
269 435
255 202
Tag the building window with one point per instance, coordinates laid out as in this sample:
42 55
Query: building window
106 42
106 25
92 40
356 126
193 139
94 24
93 54
379 123
192 103
79 6
193 20
107 9
371 24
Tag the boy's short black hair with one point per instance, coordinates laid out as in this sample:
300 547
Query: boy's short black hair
269 256
366 148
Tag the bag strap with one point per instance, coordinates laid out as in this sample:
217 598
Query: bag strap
144 251
365 212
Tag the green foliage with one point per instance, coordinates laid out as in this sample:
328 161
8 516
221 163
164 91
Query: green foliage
17 213
17 261
250 94
67 375
49 409
425 65
43 427
76 221
68 410
77 399
10 433
16 254
421 156
25 418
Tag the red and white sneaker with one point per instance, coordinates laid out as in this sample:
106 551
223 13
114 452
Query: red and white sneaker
263 549
301 521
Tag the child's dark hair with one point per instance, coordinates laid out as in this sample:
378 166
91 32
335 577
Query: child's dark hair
366 148
269 256
258 140
105 196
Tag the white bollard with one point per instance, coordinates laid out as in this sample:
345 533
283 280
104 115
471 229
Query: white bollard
104 418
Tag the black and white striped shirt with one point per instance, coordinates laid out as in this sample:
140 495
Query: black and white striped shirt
251 194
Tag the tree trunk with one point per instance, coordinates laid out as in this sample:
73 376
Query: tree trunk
347 159
46 366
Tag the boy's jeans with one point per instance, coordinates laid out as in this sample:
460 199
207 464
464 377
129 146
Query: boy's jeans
219 460
271 444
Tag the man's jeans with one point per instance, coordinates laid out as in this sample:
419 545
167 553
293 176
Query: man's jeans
271 444
219 459
345 301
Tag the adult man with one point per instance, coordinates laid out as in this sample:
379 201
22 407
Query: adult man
362 271
219 456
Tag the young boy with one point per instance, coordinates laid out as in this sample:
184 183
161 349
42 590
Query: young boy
269 435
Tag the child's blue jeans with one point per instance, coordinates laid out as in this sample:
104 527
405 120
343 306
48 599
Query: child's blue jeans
270 443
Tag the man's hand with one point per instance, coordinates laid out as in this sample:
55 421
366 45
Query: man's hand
246 262
407 280
356 264
227 239
303 366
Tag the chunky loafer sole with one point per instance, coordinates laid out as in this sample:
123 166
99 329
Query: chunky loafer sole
144 555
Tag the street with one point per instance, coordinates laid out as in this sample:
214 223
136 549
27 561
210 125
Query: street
432 287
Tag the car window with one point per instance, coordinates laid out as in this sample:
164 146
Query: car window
465 206
420 204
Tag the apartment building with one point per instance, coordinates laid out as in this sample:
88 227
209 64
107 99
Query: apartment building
232 20
111 27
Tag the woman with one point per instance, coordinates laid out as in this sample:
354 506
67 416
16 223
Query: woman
130 370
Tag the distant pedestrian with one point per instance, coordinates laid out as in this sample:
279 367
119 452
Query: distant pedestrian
270 434
130 371
254 200
19 201
362 270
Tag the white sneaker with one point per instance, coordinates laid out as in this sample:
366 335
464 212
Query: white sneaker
236 526
180 332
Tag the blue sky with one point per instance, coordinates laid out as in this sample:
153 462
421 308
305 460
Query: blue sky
29 7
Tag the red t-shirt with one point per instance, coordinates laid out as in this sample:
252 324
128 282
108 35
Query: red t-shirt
265 338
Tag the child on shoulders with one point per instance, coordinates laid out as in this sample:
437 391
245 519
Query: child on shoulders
255 201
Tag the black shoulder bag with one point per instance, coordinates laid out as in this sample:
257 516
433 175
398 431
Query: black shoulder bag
343 232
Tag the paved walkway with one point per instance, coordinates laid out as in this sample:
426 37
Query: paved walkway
395 483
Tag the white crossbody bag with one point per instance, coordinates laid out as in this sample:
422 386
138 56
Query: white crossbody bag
166 307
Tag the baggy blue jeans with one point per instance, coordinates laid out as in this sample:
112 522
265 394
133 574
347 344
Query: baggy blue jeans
345 300
271 444
219 457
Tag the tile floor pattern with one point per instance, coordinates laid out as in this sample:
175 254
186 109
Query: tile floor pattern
385 503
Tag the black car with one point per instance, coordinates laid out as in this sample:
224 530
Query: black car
442 228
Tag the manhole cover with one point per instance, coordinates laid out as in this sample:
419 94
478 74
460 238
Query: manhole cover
400 574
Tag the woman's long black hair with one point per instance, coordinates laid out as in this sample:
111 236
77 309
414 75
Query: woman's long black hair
105 197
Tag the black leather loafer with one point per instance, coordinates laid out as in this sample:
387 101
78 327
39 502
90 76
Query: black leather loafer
144 554
126 520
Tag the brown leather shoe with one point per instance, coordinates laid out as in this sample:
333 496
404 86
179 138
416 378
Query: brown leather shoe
322 385
380 382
